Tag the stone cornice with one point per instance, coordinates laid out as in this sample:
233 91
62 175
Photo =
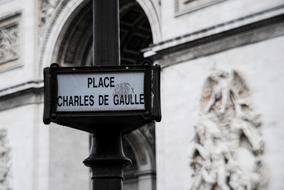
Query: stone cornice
20 88
215 33
23 94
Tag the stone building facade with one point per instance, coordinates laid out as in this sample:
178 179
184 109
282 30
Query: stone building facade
222 93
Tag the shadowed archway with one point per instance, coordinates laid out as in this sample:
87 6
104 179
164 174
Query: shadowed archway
135 34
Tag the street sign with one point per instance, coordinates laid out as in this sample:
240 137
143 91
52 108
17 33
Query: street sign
86 97
100 92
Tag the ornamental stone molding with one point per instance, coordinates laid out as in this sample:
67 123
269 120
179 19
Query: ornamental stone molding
228 145
5 161
9 42
57 25
187 6
47 9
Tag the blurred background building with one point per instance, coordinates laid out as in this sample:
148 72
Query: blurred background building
222 93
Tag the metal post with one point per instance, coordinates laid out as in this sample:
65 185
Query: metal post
107 158
106 32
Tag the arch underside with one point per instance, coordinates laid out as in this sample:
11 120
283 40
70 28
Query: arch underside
135 34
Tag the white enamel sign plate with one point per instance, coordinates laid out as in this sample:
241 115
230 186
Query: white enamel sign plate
100 92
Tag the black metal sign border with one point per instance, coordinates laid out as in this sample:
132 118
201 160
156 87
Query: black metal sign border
76 119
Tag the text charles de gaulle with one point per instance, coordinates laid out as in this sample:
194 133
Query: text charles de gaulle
98 99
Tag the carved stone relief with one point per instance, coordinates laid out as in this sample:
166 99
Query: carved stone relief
186 6
5 162
228 145
47 9
9 44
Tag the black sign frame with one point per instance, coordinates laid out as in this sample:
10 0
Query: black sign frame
89 121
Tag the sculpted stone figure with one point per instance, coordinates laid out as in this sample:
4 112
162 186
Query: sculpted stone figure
228 142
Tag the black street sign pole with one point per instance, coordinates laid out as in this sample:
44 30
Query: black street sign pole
106 32
107 158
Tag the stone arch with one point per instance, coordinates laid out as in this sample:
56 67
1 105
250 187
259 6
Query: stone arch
153 15
55 30
67 11
60 29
